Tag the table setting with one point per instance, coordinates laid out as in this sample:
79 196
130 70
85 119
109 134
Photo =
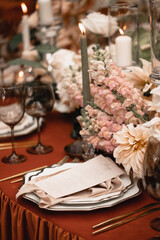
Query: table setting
79 122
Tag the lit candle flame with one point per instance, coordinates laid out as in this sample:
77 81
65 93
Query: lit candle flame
24 8
20 78
21 74
124 28
37 6
121 31
82 28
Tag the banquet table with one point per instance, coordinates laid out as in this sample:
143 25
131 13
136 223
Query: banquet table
24 220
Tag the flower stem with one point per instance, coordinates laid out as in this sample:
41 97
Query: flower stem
94 106
130 108
137 115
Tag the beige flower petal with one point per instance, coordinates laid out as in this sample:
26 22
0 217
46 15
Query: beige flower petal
131 153
146 66
131 140
131 129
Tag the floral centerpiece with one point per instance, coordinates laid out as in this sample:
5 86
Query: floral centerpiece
115 103
114 119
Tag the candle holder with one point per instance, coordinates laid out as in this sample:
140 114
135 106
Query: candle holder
46 34
50 20
123 40
154 7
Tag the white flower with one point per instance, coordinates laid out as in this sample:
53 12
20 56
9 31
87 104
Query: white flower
155 99
154 127
140 76
61 60
98 23
132 146
69 89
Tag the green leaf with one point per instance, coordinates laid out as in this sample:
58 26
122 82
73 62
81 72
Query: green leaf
144 36
46 48
111 2
21 61
144 40
14 42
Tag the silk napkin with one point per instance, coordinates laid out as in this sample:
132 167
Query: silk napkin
95 177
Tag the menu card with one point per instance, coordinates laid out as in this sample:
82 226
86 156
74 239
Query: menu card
80 177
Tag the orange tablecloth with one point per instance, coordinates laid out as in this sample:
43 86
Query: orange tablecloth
25 221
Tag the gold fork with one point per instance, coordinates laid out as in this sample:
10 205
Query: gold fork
119 223
5 146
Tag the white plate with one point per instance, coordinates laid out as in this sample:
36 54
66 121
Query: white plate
108 200
55 168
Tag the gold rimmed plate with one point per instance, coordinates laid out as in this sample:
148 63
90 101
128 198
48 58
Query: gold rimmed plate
131 190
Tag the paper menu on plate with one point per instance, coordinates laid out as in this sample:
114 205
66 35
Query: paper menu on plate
81 177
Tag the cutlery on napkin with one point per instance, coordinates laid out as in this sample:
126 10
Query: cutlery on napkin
97 176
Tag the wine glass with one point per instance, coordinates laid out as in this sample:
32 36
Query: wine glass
11 112
3 64
151 174
89 151
39 100
4 38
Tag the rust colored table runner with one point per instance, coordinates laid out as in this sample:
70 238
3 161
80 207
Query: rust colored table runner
24 220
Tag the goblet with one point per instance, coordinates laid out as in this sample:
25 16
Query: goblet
151 172
3 64
11 112
89 151
39 100
4 38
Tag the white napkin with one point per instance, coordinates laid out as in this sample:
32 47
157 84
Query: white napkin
95 177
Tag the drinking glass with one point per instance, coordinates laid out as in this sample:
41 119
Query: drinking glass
4 38
151 171
39 100
124 37
50 20
89 151
3 64
11 112
154 6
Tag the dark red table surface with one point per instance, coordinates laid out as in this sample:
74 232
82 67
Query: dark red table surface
56 131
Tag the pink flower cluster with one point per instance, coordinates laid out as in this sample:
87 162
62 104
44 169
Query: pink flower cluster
115 102
115 96
99 128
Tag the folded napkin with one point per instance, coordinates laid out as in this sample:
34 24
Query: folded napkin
96 177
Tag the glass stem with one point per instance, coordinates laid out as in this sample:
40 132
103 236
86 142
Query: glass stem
38 130
12 139
2 78
96 40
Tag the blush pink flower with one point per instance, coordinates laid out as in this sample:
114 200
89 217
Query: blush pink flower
114 102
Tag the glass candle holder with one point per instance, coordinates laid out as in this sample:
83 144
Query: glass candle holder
154 7
123 39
